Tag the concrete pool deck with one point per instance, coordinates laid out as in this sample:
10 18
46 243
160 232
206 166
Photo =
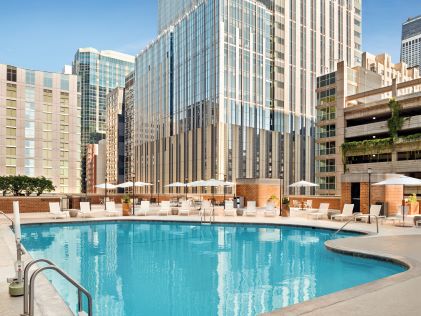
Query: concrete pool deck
395 295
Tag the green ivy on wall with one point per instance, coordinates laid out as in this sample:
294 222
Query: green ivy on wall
376 146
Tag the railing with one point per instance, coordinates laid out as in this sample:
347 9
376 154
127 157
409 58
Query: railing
29 289
359 215
4 214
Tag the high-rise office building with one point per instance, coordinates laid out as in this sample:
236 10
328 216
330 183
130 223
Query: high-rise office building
129 128
115 136
40 126
411 42
98 73
228 87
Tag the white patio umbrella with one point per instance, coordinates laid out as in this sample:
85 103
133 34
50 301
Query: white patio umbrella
131 184
401 180
106 186
302 184
178 185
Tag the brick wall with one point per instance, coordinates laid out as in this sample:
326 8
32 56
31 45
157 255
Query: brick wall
27 204
334 201
258 192
346 193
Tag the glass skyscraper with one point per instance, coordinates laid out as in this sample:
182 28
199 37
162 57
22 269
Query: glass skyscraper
411 42
98 73
228 87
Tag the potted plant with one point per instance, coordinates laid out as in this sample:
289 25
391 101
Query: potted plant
413 204
285 206
126 205
273 199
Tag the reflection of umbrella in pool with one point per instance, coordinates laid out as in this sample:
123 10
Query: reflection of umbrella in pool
401 180
303 184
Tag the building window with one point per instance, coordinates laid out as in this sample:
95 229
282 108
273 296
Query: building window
30 77
11 151
11 73
64 84
11 131
11 90
48 80
11 171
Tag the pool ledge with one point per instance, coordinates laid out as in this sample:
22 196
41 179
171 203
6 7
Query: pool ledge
47 301
394 295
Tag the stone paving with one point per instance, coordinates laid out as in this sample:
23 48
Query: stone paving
400 290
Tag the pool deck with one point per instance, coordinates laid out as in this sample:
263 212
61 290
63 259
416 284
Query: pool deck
395 295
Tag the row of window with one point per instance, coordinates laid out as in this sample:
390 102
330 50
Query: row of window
11 75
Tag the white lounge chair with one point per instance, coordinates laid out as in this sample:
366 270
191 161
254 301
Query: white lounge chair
205 208
270 210
110 209
250 209
85 209
374 210
143 209
165 208
398 216
309 204
56 212
347 213
185 208
229 209
321 212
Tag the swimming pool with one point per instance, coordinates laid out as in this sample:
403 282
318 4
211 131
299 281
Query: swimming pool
162 268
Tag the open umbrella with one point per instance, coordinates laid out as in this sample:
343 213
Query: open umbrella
401 180
106 186
303 184
178 185
131 184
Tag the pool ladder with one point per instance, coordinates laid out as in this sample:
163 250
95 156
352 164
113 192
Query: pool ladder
29 289
359 215
211 216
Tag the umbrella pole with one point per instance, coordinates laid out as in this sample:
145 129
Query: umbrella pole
133 197
105 194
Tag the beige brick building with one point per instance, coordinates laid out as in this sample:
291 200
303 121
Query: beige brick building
353 135
40 126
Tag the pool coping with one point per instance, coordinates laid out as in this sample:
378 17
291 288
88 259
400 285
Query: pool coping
312 306
316 305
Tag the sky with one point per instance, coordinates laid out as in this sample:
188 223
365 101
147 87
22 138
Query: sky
45 34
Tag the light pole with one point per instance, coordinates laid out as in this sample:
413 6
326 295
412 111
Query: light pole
280 196
369 171
158 191
105 195
185 186
225 180
133 178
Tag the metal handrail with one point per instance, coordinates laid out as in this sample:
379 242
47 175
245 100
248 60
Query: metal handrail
29 311
4 214
25 282
343 226
359 215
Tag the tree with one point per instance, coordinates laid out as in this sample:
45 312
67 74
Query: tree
17 184
43 185
4 185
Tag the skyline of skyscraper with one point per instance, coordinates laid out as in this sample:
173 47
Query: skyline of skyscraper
98 73
229 88
411 42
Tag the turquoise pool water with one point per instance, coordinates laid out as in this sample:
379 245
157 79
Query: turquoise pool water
157 268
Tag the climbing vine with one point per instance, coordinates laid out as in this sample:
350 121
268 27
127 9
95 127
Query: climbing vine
395 122
376 146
